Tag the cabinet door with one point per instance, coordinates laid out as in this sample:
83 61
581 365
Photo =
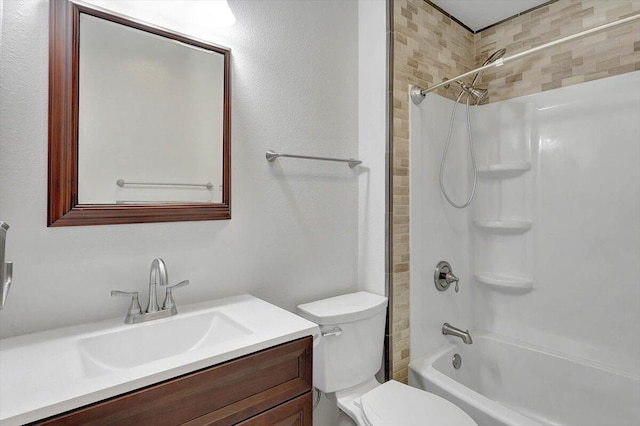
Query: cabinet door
224 394
296 412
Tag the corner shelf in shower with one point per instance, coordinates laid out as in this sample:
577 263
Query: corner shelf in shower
504 283
504 170
503 226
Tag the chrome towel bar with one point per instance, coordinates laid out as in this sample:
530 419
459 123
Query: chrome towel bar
122 183
272 156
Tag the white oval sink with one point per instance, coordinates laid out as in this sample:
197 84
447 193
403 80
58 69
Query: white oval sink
147 342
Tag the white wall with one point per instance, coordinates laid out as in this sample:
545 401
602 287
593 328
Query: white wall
307 78
293 236
371 203
372 56
438 231
1 24
582 196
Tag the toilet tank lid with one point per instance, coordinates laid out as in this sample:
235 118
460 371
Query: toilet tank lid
344 308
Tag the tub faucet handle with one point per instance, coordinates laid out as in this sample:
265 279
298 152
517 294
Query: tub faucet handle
444 276
450 278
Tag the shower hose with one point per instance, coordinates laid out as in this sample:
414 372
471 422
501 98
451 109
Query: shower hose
446 150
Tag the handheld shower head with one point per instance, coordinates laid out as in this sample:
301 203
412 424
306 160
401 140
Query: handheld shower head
494 57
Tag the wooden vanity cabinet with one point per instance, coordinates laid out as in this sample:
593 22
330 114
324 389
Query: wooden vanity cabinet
270 387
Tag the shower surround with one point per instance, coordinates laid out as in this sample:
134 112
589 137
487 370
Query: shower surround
547 254
428 46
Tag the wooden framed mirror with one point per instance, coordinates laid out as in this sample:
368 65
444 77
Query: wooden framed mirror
139 122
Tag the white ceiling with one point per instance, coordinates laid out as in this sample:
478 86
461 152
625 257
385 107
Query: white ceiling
479 14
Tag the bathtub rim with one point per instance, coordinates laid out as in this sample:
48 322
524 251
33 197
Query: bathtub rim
422 371
487 335
473 403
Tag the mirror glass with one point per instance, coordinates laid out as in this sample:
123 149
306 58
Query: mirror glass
139 121
150 117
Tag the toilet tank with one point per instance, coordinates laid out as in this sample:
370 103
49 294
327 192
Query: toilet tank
350 350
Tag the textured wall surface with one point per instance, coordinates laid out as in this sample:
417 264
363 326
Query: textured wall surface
293 236
300 230
428 46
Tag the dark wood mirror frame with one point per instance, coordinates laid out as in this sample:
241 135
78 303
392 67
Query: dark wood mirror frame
63 207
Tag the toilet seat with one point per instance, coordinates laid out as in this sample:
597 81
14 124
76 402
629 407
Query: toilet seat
394 404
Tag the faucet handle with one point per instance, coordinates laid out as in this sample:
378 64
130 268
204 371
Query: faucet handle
444 276
451 278
169 303
134 308
180 284
5 284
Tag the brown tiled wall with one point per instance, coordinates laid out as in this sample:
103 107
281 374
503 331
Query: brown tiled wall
428 46
603 54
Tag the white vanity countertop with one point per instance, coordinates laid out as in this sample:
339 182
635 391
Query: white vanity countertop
50 372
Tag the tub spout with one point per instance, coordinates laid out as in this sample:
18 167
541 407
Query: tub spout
448 329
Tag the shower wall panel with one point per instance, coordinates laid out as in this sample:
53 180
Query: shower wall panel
584 186
549 251
429 46
438 231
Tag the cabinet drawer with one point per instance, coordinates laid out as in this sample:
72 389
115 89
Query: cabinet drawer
224 394
296 412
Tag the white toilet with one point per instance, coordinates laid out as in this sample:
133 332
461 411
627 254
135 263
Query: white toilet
347 357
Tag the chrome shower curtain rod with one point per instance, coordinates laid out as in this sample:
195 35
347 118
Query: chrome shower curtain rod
417 93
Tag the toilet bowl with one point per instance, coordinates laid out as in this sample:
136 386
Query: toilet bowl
349 353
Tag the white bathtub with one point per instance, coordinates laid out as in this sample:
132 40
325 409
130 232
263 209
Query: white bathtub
507 382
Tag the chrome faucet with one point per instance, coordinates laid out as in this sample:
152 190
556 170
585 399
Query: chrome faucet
448 329
6 268
157 275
